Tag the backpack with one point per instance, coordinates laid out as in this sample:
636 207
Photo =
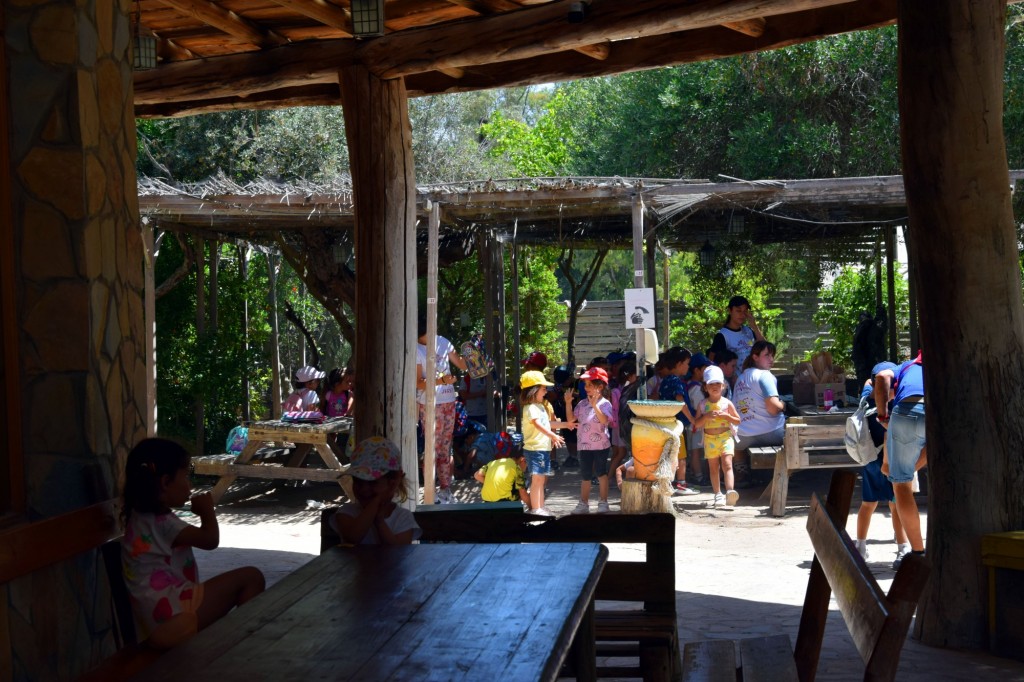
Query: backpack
859 445
237 439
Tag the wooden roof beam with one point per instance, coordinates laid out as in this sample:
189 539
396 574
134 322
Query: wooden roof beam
226 21
750 27
468 43
322 11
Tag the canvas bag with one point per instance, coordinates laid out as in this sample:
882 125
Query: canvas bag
858 441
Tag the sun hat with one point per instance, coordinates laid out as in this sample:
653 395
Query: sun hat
537 359
373 458
699 360
595 374
533 378
308 373
713 375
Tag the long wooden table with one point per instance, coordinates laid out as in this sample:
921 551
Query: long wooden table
306 437
420 612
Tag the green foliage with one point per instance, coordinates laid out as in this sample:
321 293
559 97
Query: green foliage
851 293
540 311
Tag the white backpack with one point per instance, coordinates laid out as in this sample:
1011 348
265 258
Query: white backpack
858 436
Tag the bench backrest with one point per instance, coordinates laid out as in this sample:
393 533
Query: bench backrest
651 581
121 601
877 622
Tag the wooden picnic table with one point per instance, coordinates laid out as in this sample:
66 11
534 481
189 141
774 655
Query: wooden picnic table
417 612
306 438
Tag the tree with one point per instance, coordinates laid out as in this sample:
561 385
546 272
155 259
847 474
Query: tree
964 244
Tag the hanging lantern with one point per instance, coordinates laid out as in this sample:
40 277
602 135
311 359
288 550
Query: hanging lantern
367 18
145 52
706 255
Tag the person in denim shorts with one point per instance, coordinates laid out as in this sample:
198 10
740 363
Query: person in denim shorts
905 442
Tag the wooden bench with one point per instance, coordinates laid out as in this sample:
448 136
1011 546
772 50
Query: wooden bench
877 622
641 624
810 443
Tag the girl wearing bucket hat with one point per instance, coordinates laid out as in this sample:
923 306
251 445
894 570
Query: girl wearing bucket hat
304 397
374 518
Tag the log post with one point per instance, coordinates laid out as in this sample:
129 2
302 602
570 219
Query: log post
964 247
384 187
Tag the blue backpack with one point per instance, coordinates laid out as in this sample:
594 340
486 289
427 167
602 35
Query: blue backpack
238 437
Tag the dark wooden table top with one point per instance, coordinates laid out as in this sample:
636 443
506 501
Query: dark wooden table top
420 612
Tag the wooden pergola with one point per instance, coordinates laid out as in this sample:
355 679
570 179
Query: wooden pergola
228 54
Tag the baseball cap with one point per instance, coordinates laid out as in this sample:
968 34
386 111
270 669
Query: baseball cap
308 373
616 357
713 375
373 458
562 374
595 374
533 378
699 360
536 358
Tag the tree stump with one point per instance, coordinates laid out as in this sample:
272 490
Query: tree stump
655 440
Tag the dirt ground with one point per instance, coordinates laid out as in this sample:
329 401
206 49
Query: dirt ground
740 572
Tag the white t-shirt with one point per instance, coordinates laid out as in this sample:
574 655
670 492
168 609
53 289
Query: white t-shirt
752 387
445 392
400 520
739 342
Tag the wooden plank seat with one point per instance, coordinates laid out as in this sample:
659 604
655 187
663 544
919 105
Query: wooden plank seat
810 443
877 622
640 624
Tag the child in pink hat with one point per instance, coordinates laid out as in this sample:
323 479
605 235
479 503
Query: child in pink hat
374 517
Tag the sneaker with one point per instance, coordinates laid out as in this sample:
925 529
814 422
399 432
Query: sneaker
680 488
582 508
594 481
900 553
719 500
444 496
543 511
602 507
731 497
862 547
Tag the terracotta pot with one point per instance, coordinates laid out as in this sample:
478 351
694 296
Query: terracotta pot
655 438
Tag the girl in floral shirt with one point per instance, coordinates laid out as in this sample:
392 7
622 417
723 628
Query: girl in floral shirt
169 601
593 415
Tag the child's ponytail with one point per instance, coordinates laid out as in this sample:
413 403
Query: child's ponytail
147 464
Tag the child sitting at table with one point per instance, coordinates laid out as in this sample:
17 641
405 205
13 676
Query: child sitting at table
304 397
377 480
169 601
503 479
338 400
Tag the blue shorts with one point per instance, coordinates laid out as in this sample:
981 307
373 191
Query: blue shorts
874 486
904 441
538 462
593 463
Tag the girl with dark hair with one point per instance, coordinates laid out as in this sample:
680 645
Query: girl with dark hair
762 418
168 599
739 332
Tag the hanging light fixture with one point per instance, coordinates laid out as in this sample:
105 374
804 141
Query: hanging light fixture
143 45
367 18
706 255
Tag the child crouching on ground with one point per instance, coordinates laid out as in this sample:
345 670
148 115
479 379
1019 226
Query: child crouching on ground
377 481
503 479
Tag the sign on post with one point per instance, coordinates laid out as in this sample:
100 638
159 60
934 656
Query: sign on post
639 308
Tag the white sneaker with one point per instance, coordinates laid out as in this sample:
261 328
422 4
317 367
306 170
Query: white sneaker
582 508
602 507
719 500
543 511
901 551
862 547
731 497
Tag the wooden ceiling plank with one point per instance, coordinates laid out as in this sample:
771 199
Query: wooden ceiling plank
486 7
751 27
598 51
226 21
322 11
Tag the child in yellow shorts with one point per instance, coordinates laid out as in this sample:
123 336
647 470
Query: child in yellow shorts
717 417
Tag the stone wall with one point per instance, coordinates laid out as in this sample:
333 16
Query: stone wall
79 303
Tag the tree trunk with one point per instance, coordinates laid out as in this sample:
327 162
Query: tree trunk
383 177
964 247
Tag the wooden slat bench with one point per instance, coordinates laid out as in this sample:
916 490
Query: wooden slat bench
810 443
878 623
646 630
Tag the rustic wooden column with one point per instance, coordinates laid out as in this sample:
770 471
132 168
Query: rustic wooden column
915 336
890 282
384 186
149 252
964 247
